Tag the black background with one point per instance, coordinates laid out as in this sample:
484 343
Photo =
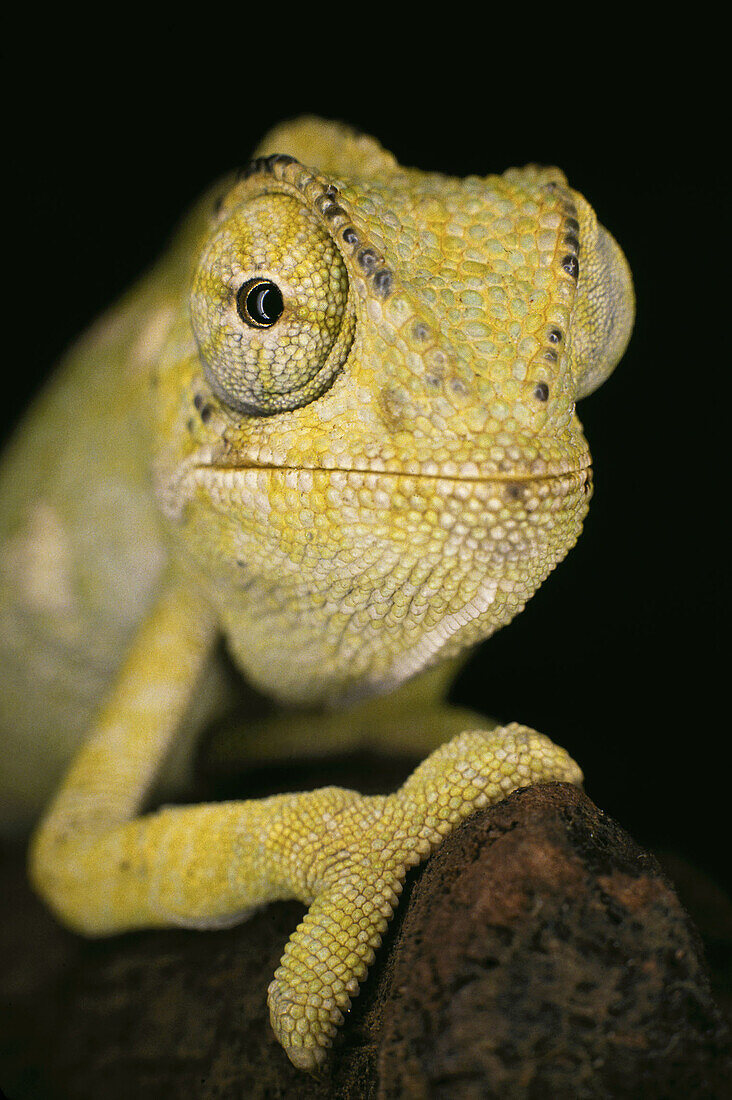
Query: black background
619 657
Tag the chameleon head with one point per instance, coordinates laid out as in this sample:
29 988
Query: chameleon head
373 456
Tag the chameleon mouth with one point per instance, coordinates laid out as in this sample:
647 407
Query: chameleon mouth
458 472
523 490
232 479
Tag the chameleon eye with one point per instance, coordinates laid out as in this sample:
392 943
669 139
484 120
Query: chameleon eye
259 303
270 307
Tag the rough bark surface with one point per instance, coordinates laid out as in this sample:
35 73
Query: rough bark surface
540 953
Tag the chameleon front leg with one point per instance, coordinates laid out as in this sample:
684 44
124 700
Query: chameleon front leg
346 855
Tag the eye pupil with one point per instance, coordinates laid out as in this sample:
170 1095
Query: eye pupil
259 303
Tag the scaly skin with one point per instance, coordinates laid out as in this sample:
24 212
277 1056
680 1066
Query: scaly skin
336 425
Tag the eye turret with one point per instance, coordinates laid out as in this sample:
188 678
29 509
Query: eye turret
604 309
270 307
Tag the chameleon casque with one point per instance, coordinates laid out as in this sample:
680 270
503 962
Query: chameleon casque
335 424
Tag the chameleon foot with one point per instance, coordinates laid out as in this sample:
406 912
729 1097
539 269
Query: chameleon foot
361 850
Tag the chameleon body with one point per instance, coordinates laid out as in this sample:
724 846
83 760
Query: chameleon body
336 426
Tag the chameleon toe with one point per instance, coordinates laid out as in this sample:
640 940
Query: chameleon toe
363 864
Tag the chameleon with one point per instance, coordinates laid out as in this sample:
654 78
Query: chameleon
333 426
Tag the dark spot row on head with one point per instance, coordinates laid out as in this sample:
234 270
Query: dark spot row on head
570 264
332 210
571 225
278 165
561 199
570 238
572 243
326 203
370 261
284 167
554 338
264 166
204 409
570 230
367 260
383 282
